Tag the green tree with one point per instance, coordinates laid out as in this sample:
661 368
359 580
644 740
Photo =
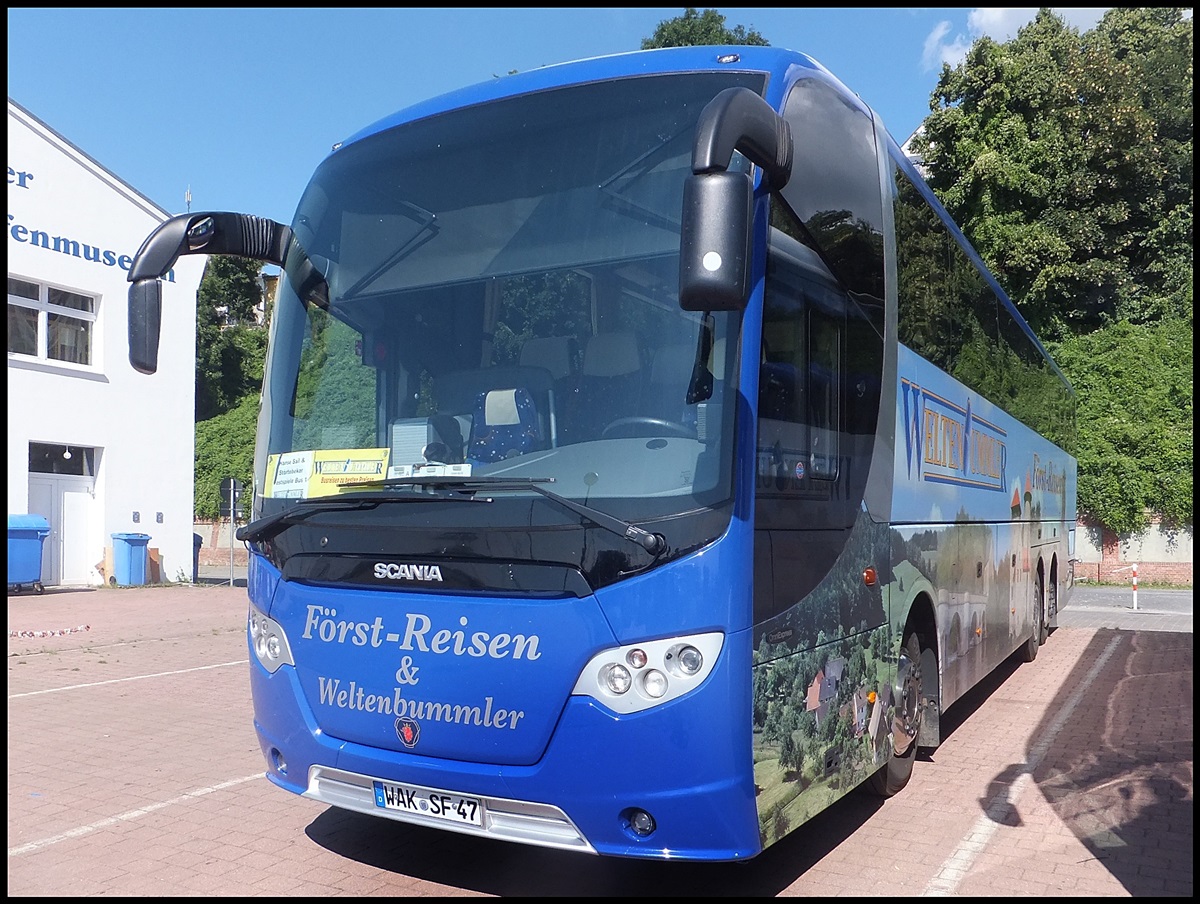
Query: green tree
230 350
230 343
224 448
791 752
1135 417
695 29
1067 160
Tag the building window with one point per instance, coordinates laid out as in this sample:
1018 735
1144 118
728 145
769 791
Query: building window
50 323
52 458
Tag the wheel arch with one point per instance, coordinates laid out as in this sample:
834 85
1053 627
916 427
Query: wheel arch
1053 590
922 621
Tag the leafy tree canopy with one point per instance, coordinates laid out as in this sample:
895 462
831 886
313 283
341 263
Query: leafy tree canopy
230 350
224 448
230 343
232 286
1067 159
1135 421
695 29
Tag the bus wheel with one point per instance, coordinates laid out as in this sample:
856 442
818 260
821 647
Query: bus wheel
906 724
1030 650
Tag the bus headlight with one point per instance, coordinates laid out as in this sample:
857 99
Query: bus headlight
267 641
617 679
654 683
685 659
635 677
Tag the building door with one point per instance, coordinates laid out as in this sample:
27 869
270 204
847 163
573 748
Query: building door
76 558
62 490
42 498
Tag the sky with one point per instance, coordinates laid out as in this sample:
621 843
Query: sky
238 106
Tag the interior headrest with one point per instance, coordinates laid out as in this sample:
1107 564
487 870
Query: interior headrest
550 352
611 355
500 407
672 363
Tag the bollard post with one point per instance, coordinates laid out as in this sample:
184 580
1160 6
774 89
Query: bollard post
233 501
1135 585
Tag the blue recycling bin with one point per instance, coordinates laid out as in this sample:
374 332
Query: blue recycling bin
26 536
129 558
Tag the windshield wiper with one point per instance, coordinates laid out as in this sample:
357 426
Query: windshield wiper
272 524
427 229
653 543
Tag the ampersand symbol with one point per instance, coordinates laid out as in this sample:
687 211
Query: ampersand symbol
407 673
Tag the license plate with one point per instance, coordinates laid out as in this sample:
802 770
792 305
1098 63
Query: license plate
427 802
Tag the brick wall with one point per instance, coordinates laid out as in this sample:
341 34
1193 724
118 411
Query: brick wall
215 543
1174 573
1162 557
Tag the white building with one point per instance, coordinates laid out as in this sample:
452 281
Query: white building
94 446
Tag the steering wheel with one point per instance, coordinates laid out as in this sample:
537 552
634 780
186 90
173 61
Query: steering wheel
647 426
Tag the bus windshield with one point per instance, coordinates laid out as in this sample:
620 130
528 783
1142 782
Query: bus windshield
503 301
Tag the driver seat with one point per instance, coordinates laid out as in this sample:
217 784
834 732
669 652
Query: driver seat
610 382
670 377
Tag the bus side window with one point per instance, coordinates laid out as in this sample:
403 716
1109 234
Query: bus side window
781 375
800 378
824 393
782 423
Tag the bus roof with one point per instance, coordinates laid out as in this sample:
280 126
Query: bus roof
777 62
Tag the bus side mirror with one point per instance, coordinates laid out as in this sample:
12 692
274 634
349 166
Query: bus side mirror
714 246
240 235
145 323
714 241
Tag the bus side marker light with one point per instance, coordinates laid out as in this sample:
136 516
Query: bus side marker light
870 577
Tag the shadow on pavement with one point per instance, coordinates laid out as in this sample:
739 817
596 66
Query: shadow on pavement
507 869
1119 775
211 581
49 591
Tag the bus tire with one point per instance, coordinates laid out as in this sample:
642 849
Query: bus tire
906 724
1029 650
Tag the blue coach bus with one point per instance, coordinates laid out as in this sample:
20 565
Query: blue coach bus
645 459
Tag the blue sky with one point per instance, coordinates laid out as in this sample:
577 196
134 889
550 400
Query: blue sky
240 105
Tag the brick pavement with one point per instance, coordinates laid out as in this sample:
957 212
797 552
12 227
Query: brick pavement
134 770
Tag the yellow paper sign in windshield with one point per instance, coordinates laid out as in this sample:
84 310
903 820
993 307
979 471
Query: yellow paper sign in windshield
335 468
323 472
